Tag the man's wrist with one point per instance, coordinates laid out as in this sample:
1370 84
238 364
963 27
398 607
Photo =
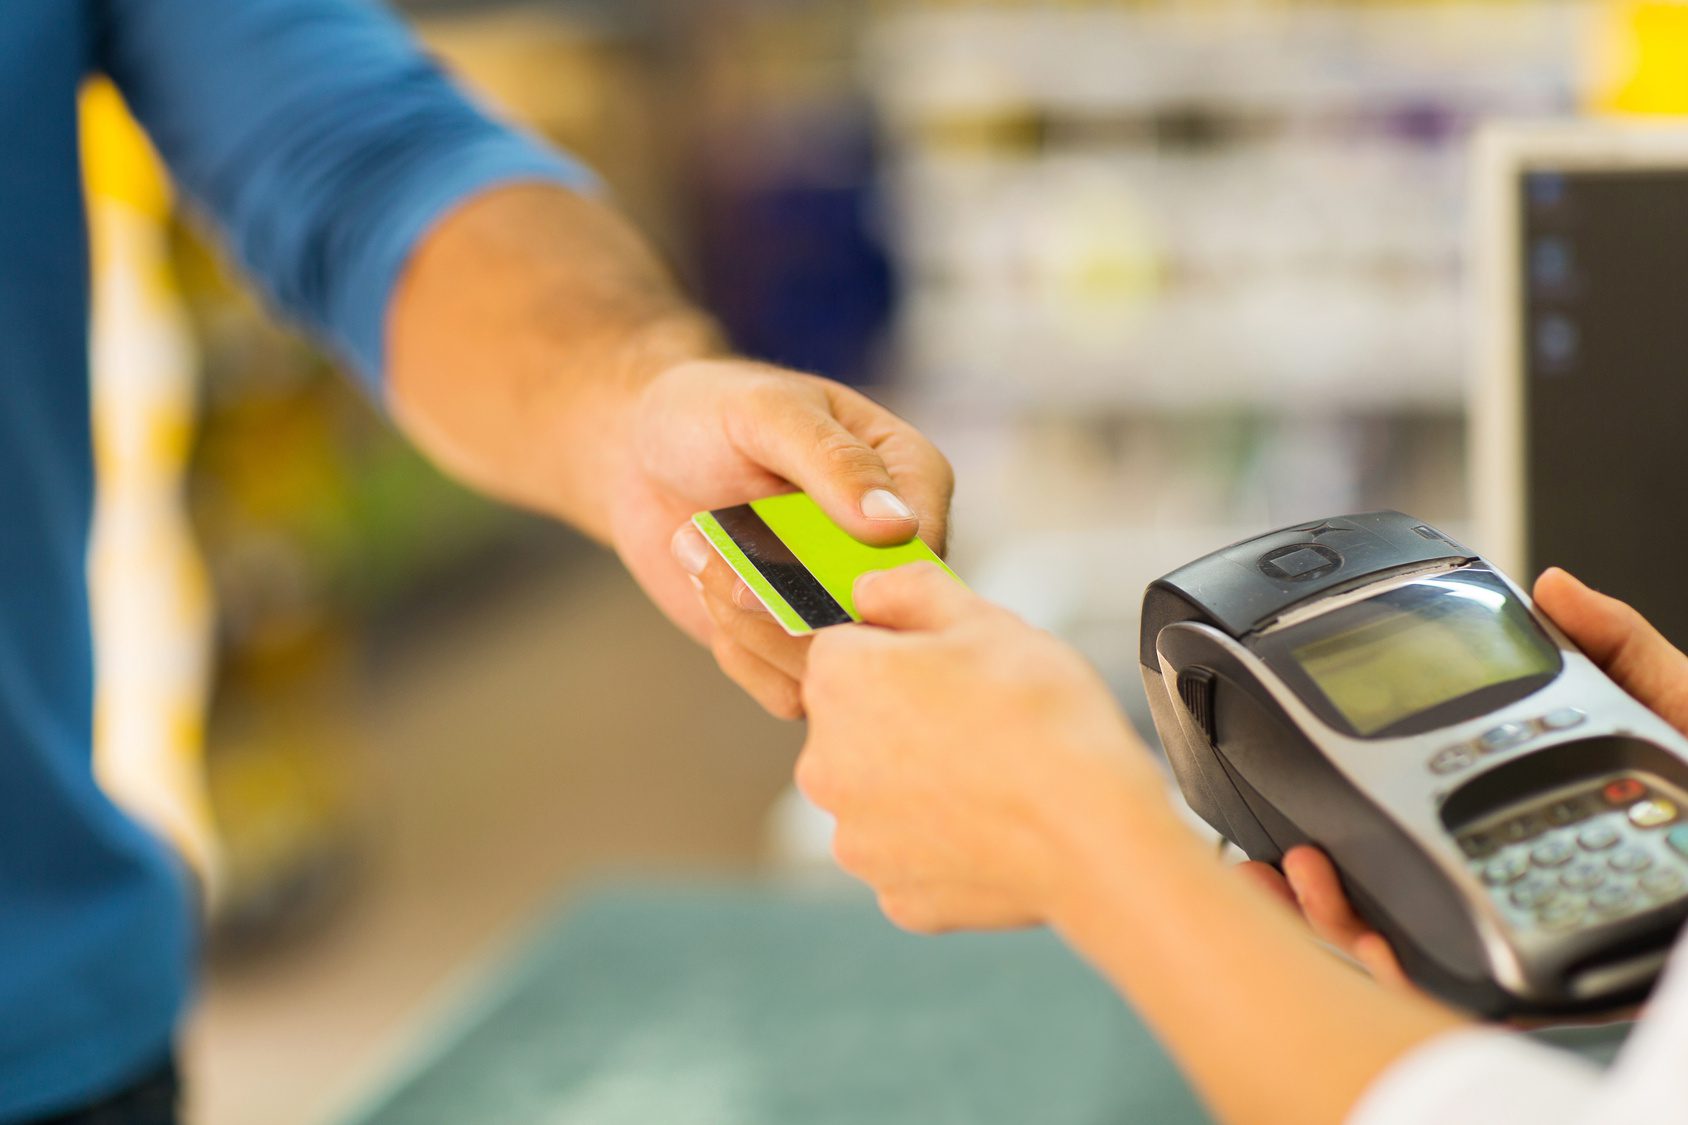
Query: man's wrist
593 405
609 433
682 335
521 336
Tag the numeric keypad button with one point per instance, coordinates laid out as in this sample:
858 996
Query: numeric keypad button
1614 899
1532 894
1504 869
1597 837
1564 914
1552 853
1628 861
1665 882
1583 875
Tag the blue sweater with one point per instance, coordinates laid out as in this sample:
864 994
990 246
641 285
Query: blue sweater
321 142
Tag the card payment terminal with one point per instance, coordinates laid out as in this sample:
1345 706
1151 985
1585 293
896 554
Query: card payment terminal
1508 817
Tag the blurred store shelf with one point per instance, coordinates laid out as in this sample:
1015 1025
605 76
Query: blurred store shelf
1174 206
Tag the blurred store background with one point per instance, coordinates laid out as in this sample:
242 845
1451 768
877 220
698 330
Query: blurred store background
1154 275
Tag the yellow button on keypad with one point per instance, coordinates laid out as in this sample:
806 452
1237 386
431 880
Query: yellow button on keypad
1652 813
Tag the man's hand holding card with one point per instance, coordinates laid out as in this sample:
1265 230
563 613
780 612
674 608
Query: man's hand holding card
773 572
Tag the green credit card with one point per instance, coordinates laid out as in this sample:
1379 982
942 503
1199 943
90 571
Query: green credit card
798 563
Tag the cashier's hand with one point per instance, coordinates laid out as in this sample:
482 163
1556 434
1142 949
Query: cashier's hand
963 753
712 434
1621 642
1615 637
1308 883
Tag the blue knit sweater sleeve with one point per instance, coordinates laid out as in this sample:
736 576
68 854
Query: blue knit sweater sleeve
320 138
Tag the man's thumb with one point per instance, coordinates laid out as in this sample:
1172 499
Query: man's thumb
845 475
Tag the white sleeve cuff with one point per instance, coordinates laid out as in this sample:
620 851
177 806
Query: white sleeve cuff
1480 1076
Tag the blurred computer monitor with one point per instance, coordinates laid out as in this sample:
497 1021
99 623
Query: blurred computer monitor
1579 433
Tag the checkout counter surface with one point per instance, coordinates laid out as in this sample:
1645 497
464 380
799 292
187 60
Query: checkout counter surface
745 1005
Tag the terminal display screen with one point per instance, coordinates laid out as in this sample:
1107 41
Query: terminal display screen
1418 647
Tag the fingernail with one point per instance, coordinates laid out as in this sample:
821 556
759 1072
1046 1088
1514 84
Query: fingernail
690 549
883 504
744 599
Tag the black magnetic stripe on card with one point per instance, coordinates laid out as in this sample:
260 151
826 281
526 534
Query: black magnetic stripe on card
772 559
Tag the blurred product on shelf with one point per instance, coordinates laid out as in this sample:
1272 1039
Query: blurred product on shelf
1640 59
273 499
588 81
786 188
149 598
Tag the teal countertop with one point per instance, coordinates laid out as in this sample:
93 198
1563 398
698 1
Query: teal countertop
758 1005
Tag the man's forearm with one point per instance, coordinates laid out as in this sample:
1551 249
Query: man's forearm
523 328
1269 1027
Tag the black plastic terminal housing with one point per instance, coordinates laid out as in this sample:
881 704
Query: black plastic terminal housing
1249 584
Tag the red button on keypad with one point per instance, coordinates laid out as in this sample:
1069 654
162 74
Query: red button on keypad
1623 791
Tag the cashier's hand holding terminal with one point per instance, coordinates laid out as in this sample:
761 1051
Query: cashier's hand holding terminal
1617 638
1622 642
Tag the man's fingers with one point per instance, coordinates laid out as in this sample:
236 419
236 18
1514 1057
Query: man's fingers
795 436
920 474
919 596
713 575
740 621
777 692
760 635
1621 642
923 477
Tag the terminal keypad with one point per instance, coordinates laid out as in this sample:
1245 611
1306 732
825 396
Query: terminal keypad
1589 856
